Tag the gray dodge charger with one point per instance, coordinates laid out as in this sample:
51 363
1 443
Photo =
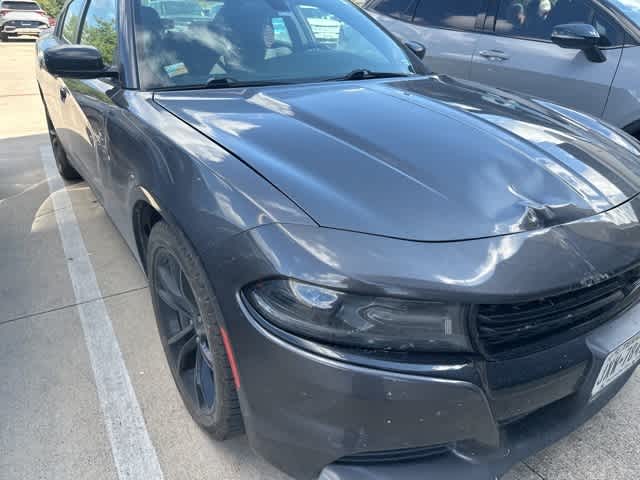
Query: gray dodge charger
375 271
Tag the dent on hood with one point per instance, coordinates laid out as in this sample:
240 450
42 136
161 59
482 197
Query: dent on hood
568 155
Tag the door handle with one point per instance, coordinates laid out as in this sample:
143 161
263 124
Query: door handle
494 55
64 91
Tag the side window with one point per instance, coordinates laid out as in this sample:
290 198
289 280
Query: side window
326 28
280 31
400 9
72 20
459 14
536 18
99 28
277 38
610 33
332 32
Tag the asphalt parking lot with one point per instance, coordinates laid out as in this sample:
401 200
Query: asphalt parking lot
52 418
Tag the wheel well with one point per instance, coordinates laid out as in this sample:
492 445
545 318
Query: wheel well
144 218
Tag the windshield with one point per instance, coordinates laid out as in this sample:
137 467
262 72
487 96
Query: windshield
20 5
261 41
631 8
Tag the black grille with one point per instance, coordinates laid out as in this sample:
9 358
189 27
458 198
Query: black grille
24 23
401 455
520 328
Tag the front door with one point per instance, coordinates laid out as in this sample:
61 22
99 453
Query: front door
54 89
448 29
93 99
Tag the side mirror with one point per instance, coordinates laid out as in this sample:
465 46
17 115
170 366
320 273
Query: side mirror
579 36
76 61
417 48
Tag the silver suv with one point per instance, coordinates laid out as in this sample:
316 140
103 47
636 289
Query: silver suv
584 54
21 17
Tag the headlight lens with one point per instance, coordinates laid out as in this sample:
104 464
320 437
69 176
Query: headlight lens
336 317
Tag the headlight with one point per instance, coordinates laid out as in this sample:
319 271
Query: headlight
340 318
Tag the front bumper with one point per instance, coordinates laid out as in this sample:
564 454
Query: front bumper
307 413
522 438
519 442
307 406
28 31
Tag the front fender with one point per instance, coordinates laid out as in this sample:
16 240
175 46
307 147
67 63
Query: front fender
195 184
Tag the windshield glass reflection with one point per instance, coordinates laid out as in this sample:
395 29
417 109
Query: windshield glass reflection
236 42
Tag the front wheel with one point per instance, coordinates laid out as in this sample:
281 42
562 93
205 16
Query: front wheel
4 37
187 314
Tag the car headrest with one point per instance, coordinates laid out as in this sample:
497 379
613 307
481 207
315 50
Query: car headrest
565 12
150 20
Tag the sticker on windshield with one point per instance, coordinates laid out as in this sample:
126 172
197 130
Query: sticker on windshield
176 70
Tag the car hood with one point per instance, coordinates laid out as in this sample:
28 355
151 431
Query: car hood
427 159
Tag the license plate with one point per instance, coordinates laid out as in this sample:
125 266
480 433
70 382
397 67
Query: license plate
617 363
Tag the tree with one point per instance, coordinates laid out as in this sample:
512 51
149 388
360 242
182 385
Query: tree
101 33
52 7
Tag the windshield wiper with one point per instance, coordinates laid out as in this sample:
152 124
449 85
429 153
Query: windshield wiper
223 82
228 82
363 74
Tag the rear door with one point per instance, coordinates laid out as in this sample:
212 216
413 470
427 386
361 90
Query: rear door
449 29
518 54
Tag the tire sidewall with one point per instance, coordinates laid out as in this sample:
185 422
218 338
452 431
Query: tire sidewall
164 237
65 169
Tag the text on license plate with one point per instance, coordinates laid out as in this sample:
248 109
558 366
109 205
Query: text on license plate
617 362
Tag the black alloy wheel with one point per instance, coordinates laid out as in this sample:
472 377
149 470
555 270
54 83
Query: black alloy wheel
182 327
187 314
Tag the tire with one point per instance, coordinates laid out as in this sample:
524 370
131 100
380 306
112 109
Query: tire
4 37
66 170
190 332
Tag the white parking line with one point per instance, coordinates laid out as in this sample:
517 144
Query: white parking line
134 455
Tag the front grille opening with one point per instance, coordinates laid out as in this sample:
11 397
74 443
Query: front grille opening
394 456
24 23
522 328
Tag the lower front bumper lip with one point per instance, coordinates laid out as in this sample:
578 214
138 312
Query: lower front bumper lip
444 467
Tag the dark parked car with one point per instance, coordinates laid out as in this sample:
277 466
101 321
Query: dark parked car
374 271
